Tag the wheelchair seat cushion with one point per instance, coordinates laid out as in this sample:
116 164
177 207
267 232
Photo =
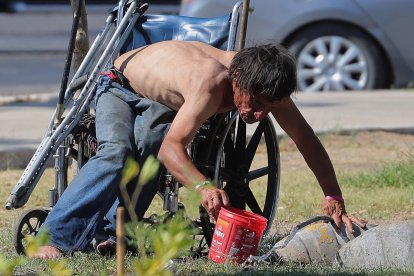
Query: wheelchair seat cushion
150 29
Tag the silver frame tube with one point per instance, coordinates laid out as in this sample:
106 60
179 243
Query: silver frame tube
54 137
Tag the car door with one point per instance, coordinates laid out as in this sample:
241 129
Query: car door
395 18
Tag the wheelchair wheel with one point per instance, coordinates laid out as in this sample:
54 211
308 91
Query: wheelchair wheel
28 224
249 188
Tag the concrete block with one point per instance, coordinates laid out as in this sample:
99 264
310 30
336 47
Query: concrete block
384 246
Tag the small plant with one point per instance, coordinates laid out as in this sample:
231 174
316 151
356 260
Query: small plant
158 244
59 268
130 171
7 266
34 242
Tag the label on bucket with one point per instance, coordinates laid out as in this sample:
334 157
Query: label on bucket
236 235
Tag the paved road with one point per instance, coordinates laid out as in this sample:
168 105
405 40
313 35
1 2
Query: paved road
30 73
33 45
33 48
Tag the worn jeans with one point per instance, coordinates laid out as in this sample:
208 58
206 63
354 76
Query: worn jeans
126 125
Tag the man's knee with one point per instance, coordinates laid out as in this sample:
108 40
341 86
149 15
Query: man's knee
114 152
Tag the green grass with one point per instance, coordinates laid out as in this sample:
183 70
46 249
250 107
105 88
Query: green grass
200 267
385 193
397 175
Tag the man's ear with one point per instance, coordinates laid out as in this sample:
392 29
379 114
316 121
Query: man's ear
234 83
234 80
235 87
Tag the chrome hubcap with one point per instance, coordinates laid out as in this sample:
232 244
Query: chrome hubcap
331 63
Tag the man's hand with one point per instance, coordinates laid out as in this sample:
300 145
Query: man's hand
336 210
212 199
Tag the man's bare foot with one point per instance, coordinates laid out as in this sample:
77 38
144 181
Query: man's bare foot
106 248
46 252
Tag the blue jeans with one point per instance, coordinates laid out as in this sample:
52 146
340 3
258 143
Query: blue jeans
126 125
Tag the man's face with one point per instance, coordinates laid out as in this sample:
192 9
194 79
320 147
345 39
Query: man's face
252 108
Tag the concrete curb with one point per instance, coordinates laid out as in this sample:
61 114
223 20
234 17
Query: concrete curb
45 97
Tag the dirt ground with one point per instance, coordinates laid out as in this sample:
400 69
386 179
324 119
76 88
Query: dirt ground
356 152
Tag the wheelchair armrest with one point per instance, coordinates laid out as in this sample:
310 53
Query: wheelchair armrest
150 29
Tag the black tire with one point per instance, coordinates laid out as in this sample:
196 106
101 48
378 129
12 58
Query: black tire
366 70
233 173
28 224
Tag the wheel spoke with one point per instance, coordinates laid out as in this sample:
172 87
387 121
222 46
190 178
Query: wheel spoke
335 45
241 139
309 60
305 74
352 83
229 175
253 144
327 86
252 202
235 197
320 47
38 224
229 147
30 227
337 86
351 53
257 173
358 67
317 85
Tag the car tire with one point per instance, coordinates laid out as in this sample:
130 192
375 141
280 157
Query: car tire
337 57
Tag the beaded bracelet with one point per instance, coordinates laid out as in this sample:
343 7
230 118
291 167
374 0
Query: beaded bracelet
337 198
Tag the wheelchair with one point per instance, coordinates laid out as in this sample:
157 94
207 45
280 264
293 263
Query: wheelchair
221 149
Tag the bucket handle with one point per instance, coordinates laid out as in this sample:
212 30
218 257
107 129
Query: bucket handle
251 260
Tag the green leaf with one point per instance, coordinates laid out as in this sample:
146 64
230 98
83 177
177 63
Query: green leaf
191 198
131 170
58 268
149 170
7 267
34 242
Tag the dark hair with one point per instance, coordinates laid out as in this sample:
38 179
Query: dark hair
268 70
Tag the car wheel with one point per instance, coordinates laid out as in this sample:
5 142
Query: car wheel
337 57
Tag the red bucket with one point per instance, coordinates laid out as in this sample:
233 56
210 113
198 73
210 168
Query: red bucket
236 236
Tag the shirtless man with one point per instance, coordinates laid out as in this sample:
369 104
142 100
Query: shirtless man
156 105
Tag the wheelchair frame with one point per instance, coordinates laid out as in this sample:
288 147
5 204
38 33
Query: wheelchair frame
223 134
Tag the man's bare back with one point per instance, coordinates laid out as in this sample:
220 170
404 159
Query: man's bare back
171 72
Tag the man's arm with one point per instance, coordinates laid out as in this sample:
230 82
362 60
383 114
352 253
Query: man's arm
174 156
173 153
291 120
315 155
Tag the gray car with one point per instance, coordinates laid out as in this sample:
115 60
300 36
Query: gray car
339 44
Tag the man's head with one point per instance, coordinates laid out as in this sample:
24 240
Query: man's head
268 70
260 76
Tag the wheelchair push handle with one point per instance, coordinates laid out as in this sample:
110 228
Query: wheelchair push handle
243 24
